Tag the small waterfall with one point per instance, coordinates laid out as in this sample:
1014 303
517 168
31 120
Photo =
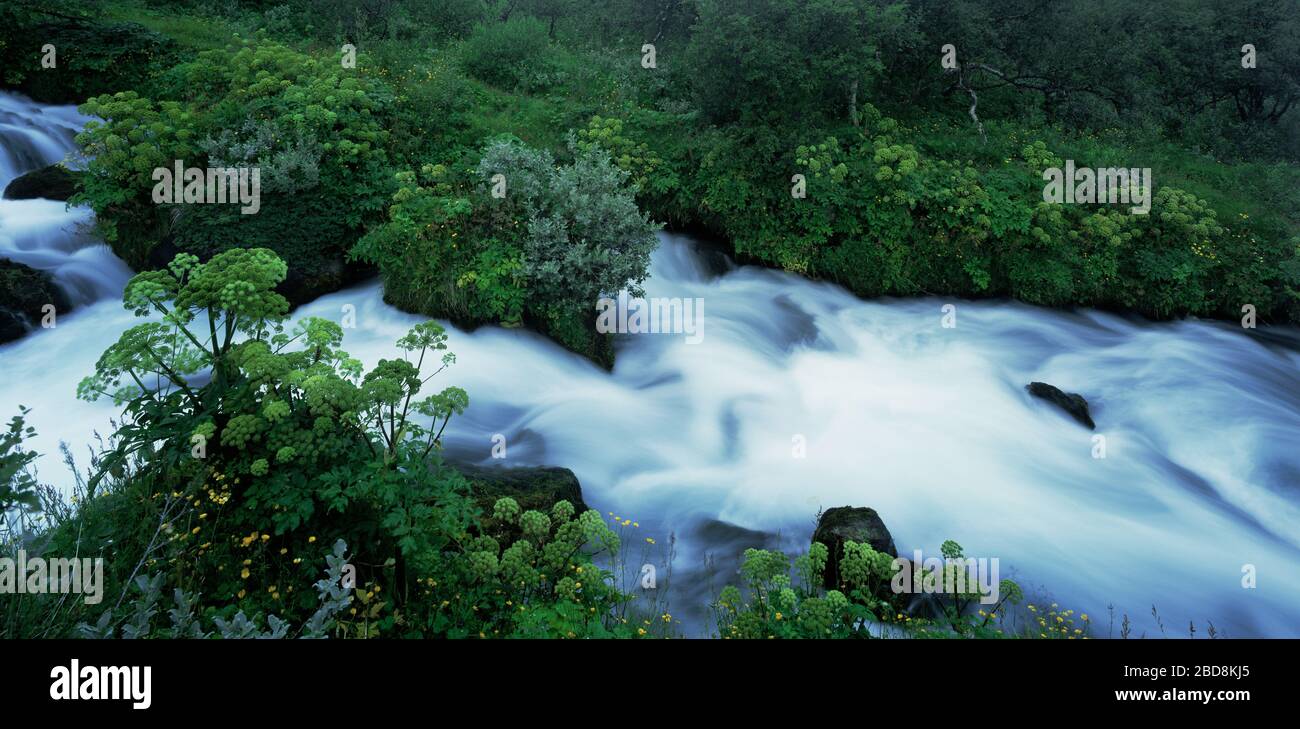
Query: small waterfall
45 234
34 135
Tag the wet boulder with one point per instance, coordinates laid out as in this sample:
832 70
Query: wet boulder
55 182
24 294
536 487
850 523
1074 405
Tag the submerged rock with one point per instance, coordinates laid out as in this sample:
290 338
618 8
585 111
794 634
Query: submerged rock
55 182
537 487
24 293
1072 404
850 523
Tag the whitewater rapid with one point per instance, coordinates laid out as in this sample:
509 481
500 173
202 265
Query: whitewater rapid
45 234
928 425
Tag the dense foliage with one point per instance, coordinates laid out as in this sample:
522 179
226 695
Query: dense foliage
502 162
921 130
516 238
64 58
316 133
781 600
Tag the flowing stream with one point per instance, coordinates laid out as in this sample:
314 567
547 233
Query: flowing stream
930 426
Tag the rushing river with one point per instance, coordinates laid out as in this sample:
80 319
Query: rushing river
929 425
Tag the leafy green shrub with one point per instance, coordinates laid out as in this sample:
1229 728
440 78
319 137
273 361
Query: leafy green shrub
443 253
530 574
773 605
90 58
17 485
777 607
288 433
433 106
585 237
542 253
883 217
785 62
186 623
644 168
315 130
500 53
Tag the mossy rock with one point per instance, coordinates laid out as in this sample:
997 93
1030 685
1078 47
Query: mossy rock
532 487
55 182
24 293
304 230
537 488
850 523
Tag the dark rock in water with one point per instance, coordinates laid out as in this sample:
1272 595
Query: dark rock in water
304 282
1071 403
55 182
924 606
12 326
24 293
304 229
850 523
538 487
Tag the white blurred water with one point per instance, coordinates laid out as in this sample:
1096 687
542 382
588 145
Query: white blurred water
930 426
45 234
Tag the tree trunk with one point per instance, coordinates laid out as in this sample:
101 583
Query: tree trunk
853 102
